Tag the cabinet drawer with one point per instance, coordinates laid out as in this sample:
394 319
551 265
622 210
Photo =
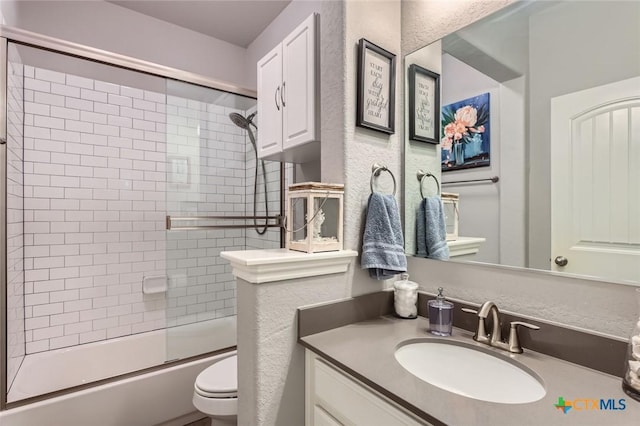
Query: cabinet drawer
350 403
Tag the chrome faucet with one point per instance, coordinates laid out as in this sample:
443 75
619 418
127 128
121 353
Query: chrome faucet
495 338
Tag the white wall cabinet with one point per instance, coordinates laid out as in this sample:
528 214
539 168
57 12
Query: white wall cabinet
288 98
333 398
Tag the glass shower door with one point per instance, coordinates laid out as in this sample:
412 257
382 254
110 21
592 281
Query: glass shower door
209 194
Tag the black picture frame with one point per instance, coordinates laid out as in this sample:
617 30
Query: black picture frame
424 105
376 88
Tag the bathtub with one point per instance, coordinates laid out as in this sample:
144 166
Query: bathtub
145 399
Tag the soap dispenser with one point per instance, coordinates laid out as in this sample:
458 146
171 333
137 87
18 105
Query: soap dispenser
405 297
440 315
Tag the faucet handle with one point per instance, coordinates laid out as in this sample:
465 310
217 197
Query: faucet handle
514 340
480 334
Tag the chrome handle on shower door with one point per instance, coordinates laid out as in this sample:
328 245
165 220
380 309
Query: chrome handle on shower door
282 94
276 97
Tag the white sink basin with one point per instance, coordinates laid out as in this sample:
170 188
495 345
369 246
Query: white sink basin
469 371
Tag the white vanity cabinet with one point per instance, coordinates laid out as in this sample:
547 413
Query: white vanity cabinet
333 398
288 98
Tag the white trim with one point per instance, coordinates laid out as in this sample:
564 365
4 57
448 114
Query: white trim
464 246
263 266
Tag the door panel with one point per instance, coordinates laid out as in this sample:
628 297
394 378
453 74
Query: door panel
595 135
299 84
270 103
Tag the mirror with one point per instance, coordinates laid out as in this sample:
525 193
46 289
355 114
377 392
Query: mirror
548 94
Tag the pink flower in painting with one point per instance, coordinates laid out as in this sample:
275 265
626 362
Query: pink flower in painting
459 130
450 130
467 116
446 143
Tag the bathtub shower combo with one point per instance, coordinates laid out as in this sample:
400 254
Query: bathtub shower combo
120 189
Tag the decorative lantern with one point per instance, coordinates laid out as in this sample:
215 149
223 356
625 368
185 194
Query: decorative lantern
314 221
450 207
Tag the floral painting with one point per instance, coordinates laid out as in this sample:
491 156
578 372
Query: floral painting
465 139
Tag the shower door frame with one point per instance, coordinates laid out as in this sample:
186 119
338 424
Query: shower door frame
39 41
3 222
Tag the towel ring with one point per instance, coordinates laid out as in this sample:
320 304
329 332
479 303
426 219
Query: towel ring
375 172
421 175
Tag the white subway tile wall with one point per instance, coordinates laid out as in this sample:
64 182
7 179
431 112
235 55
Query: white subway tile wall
104 164
15 216
271 239
205 177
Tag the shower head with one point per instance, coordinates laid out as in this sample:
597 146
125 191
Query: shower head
245 123
242 122
239 120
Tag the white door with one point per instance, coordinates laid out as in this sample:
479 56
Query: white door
595 181
298 85
270 103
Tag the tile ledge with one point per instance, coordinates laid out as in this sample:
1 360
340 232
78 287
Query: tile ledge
270 265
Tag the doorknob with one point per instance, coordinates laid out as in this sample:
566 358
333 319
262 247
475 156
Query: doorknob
561 261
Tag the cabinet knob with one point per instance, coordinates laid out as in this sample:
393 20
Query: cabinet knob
276 98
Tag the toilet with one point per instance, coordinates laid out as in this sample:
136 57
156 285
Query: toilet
216 392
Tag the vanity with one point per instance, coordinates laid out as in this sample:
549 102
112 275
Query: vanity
354 376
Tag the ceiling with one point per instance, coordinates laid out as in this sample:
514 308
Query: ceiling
238 22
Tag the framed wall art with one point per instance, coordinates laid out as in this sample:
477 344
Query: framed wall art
424 105
466 134
376 88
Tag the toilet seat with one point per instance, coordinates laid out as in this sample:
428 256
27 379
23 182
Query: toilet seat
216 388
219 380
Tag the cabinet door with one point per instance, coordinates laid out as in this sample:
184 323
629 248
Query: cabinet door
270 103
299 85
333 398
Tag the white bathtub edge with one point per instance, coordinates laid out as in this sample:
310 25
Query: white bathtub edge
148 399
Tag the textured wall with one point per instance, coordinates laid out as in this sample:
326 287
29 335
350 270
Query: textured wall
376 21
271 363
591 305
426 21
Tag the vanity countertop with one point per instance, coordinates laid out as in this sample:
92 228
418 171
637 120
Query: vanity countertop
366 351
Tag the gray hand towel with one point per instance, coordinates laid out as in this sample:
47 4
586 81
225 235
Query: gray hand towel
383 242
431 234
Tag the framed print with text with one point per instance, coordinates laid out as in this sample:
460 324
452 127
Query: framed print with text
424 105
376 88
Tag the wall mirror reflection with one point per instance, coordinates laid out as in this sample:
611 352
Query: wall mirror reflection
560 188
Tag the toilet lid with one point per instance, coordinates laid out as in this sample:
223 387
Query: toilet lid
220 379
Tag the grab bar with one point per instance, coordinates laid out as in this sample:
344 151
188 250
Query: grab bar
171 227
